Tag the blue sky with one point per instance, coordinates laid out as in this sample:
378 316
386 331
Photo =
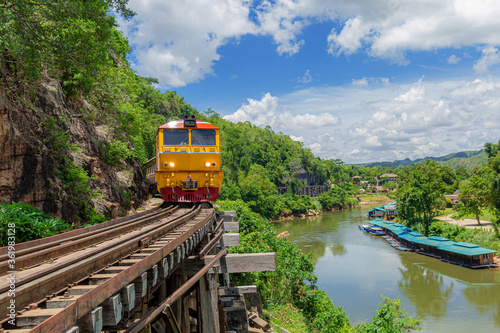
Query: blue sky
359 80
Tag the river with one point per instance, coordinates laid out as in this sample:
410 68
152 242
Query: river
355 268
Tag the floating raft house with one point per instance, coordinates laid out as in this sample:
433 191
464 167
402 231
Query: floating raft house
460 253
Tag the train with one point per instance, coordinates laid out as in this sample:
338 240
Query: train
187 163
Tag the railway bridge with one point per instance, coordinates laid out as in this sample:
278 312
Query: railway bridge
312 190
162 270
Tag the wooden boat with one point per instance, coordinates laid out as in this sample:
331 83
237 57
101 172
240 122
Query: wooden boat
372 229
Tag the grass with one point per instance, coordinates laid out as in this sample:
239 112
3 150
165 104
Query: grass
287 317
374 198
444 212
486 215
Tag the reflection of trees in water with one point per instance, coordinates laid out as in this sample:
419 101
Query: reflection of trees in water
485 299
425 289
309 234
337 249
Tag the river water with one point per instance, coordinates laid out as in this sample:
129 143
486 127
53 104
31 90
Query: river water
355 268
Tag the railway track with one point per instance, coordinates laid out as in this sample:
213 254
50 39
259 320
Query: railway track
98 277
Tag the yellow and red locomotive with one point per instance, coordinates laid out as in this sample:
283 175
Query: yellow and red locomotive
187 161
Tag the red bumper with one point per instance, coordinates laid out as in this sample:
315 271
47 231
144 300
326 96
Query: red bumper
202 194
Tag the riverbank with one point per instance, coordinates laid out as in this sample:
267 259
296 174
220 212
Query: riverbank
467 223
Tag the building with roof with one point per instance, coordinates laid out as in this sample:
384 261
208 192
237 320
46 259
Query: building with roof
460 253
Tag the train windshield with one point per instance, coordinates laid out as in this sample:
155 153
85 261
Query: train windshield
175 137
203 137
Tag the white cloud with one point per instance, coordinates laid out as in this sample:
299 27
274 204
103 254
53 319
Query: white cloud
307 78
453 59
267 111
297 138
367 80
490 57
350 39
390 28
428 119
360 83
384 123
178 41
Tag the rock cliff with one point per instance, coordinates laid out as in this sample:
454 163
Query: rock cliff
31 169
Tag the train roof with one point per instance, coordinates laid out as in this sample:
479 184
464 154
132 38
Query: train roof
200 124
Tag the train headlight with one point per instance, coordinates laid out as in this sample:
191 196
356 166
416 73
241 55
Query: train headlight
172 164
207 164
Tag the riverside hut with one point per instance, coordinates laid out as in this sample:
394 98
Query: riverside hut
429 246
466 254
411 239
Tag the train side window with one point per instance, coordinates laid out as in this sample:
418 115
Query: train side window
175 137
203 137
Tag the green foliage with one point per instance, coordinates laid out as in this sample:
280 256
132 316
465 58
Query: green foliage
336 198
390 318
30 223
420 193
287 317
259 192
67 38
474 195
116 151
76 181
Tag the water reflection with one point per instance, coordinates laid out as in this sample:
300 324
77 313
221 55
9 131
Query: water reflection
355 268
425 289
486 299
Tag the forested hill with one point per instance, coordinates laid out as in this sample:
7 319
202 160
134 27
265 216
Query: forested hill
76 121
467 159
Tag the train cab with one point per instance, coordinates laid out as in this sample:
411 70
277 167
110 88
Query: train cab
187 161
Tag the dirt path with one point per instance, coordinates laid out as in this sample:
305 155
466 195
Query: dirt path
468 223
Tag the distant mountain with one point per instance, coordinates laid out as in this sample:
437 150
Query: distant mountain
466 158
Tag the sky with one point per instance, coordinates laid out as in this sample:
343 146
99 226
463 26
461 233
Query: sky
358 80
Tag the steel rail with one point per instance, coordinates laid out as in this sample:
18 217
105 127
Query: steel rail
37 286
210 244
38 254
68 316
162 307
62 236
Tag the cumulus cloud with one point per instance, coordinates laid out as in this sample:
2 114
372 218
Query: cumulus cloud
453 59
428 119
390 28
267 112
490 57
178 41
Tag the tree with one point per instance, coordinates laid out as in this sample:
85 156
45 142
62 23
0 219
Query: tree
71 39
420 192
474 195
494 163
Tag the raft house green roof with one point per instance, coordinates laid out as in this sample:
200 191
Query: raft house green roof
441 243
464 248
434 241
412 236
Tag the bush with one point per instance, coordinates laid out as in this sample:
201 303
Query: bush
483 238
30 223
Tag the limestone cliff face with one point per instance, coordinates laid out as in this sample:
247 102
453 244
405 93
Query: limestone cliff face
29 171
